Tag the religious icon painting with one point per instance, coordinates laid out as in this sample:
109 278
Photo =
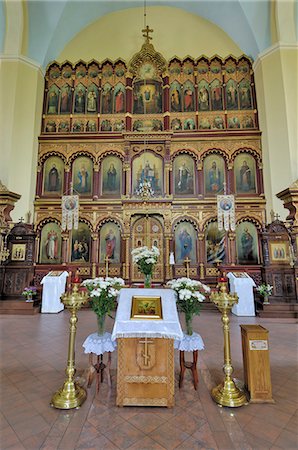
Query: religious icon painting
111 175
65 103
216 95
175 97
215 244
79 99
231 95
53 100
106 99
214 174
50 244
184 178
245 174
119 98
185 242
109 242
247 243
203 96
80 243
92 99
279 252
147 97
245 95
188 96
18 252
53 172
147 167
82 175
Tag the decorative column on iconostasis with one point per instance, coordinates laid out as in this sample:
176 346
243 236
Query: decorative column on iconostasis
39 181
94 253
230 178
96 181
168 248
201 253
66 178
126 249
65 246
129 101
168 169
260 182
200 178
232 247
127 172
166 101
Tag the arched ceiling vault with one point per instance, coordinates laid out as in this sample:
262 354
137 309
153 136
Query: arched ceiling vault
50 25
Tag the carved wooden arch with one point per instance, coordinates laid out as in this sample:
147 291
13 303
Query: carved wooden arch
138 215
207 222
87 222
102 222
43 222
187 218
81 153
248 150
146 149
185 151
215 151
115 152
43 158
252 220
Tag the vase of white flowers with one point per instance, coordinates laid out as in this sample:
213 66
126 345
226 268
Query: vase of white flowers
103 293
189 294
265 290
145 258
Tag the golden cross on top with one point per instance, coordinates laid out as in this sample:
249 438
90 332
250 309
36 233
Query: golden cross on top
147 30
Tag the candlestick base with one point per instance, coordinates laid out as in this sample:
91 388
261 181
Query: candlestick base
227 394
71 395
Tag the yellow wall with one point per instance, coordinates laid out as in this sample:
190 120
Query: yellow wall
176 32
21 92
276 87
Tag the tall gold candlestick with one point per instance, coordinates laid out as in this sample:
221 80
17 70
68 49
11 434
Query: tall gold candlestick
187 262
226 393
71 395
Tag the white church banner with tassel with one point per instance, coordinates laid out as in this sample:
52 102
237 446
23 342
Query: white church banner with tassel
70 212
226 212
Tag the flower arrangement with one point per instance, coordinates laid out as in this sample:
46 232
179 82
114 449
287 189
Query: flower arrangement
145 190
265 290
29 292
190 294
145 258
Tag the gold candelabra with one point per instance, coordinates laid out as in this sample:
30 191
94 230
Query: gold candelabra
71 395
226 393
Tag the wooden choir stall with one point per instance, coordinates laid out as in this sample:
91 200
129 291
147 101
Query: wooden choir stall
146 326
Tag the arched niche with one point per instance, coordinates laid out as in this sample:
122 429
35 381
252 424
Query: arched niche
215 243
245 174
185 236
50 244
147 167
184 175
109 242
80 243
53 100
82 175
111 176
214 174
247 244
53 172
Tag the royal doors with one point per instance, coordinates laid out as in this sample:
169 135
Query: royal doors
148 230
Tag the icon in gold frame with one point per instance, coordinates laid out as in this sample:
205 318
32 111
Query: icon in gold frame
146 307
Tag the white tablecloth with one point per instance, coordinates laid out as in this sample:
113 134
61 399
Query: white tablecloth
244 289
169 327
53 288
99 344
190 343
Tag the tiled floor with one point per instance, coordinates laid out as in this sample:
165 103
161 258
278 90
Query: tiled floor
33 360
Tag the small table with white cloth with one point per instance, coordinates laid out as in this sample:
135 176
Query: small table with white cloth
145 370
53 287
242 285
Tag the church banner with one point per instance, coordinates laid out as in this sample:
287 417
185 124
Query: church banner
70 212
226 212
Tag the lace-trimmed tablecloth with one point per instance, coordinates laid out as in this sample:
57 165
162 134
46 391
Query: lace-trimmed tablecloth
98 345
189 343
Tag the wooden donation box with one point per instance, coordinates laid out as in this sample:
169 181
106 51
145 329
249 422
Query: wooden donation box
145 327
255 348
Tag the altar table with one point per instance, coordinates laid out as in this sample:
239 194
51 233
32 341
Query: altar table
145 371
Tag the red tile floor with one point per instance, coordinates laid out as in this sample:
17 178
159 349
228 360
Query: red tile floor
33 361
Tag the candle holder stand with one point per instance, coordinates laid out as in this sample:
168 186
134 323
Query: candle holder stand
226 393
71 395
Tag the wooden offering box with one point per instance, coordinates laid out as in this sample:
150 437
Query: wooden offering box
255 348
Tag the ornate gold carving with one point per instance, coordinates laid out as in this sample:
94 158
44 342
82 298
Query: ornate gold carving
211 272
147 54
84 270
145 401
145 379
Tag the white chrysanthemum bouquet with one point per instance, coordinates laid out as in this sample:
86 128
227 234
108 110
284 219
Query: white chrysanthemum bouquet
190 294
103 293
145 258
